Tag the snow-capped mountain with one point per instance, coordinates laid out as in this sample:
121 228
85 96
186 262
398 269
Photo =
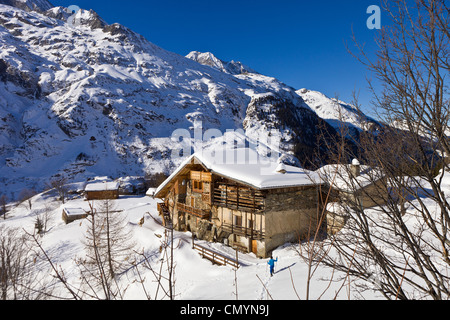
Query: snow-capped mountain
208 59
337 112
79 97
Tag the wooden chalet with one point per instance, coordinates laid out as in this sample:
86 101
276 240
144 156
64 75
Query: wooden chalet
252 207
102 190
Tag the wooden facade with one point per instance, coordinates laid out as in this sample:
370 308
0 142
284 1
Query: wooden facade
102 191
221 209
102 195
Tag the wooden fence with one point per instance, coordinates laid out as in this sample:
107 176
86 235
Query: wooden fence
215 257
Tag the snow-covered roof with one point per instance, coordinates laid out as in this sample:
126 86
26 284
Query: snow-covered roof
102 186
341 178
150 192
245 166
74 211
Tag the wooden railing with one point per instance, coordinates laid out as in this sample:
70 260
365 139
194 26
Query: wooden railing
215 257
203 214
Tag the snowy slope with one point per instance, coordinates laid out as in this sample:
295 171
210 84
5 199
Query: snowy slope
336 112
195 278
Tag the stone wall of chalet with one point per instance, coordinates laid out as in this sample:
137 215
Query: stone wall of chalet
291 215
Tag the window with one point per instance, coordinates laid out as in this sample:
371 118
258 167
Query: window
197 186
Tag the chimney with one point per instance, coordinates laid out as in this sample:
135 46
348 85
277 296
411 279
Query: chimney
355 168
281 168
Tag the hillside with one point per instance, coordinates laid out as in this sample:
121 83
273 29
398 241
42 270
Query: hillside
195 278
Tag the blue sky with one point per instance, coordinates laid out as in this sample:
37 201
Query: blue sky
302 43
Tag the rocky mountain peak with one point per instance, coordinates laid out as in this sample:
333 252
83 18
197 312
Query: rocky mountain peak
87 18
209 59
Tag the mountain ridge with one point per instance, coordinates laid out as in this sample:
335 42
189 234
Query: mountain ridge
29 5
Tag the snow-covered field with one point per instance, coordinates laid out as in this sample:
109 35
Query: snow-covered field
195 278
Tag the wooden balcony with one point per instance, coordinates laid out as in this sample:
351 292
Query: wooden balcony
200 213
238 198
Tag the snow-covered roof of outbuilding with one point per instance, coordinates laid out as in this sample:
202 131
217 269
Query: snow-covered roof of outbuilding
75 211
247 167
102 186
340 176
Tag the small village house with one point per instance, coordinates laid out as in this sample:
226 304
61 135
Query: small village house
253 207
102 190
355 184
71 214
351 185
